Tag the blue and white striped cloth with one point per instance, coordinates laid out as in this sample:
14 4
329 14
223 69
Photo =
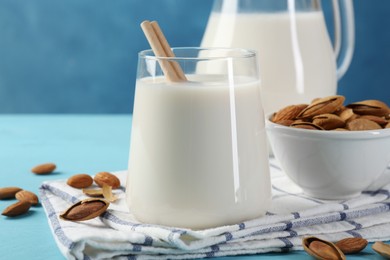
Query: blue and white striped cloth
117 235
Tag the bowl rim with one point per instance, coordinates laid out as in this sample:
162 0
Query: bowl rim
364 134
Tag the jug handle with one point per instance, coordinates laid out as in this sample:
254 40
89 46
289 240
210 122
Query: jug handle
341 36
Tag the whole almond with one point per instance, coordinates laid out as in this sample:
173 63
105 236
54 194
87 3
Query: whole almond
80 181
352 245
328 121
321 249
306 125
288 113
44 168
377 119
107 178
370 107
327 105
361 124
16 209
85 210
8 192
28 196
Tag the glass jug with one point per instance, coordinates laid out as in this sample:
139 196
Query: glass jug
296 58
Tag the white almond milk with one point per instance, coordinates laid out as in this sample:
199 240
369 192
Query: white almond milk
198 155
296 60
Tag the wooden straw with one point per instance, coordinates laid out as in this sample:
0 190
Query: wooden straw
160 47
168 50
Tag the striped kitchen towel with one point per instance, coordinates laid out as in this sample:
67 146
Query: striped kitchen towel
117 235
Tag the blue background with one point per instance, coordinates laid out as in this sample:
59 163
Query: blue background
80 56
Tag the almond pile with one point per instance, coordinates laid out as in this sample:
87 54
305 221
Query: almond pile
25 198
107 181
329 113
93 207
84 210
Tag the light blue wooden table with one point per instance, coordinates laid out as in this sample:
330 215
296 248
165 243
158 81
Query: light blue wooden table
76 143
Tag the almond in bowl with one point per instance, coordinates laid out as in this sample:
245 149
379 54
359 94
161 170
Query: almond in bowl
327 159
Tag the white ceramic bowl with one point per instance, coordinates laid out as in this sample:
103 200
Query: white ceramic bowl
332 164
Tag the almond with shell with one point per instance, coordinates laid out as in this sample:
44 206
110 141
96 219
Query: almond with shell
17 209
322 249
85 210
327 105
328 121
302 120
370 107
8 192
306 125
377 119
288 113
361 124
25 195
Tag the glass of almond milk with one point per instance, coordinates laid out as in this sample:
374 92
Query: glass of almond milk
198 153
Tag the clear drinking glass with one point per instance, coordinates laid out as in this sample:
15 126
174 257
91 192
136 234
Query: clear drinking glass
198 154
